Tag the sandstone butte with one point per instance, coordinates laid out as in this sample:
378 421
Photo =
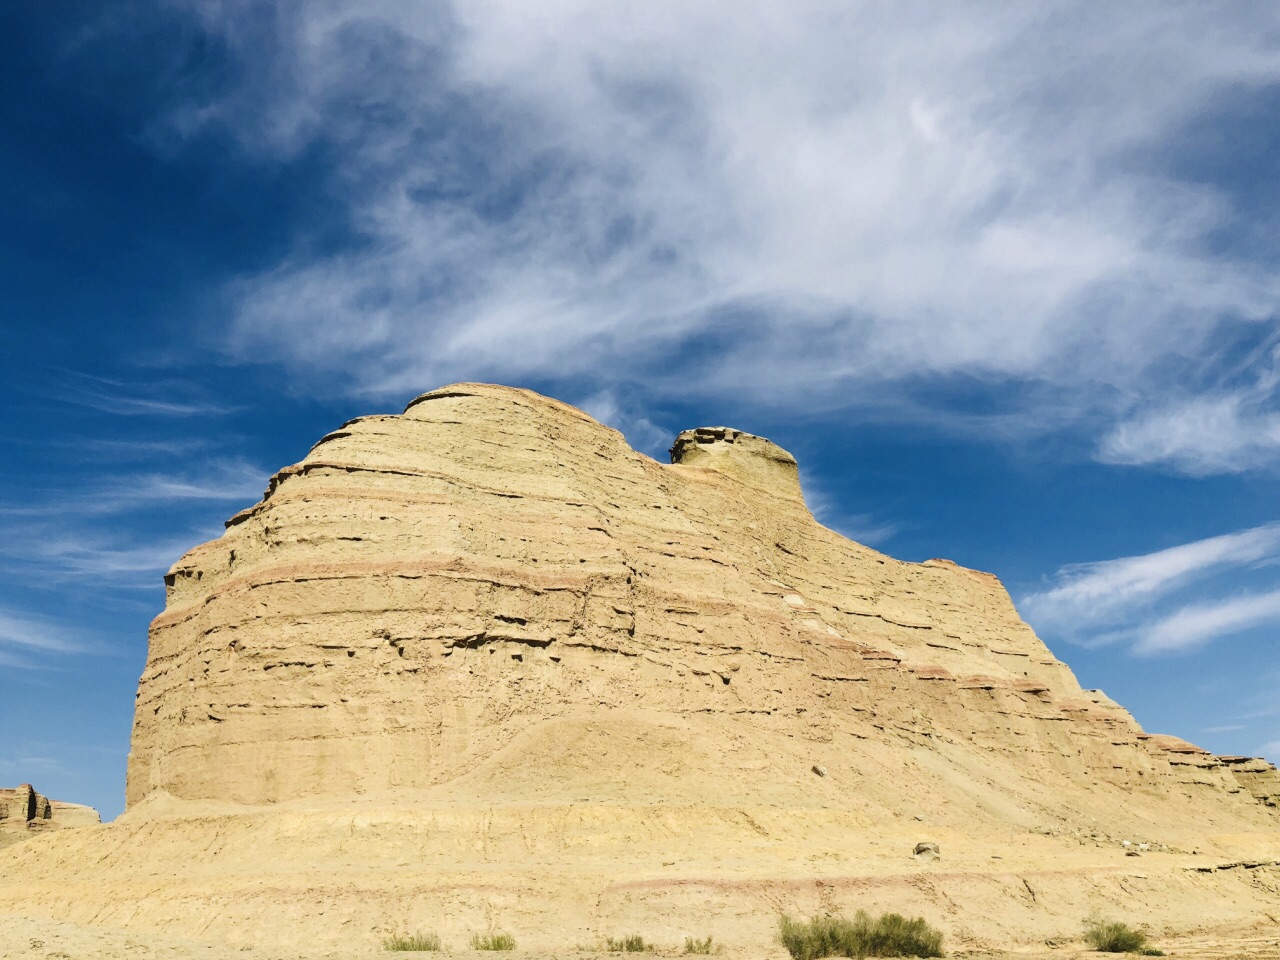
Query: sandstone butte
482 666
25 813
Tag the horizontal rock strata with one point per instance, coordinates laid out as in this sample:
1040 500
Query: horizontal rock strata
24 811
481 666
422 589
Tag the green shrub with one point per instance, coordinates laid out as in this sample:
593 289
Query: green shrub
889 935
632 944
693 945
1108 936
493 941
417 941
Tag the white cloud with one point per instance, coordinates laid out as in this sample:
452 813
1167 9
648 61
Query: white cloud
77 555
90 536
826 508
27 640
1148 601
1221 432
641 433
219 479
1202 435
799 204
23 767
1096 592
156 399
214 480
34 633
863 528
1197 624
117 451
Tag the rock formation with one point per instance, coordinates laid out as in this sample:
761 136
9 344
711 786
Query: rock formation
24 812
23 808
481 662
423 589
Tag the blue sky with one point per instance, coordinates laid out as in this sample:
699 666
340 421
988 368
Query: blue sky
1003 280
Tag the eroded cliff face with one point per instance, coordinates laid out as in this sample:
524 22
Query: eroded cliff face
493 591
24 812
483 667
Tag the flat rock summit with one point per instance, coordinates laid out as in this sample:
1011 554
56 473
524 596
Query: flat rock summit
481 666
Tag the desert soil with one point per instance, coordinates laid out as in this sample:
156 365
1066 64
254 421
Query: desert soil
25 939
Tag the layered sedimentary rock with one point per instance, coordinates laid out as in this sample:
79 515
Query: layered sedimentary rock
422 589
482 666
1257 777
23 811
23 808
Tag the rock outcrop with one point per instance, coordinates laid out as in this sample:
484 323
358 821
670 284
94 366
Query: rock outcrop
24 809
423 589
483 664
1257 777
24 812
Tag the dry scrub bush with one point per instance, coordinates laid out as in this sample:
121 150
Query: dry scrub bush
1111 936
493 941
417 941
632 944
693 945
889 935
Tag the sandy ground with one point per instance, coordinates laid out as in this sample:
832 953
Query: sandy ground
336 882
25 939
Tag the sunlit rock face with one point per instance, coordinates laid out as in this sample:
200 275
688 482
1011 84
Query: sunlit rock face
481 666
24 812
422 591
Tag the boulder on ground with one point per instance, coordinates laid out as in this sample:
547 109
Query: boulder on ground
927 850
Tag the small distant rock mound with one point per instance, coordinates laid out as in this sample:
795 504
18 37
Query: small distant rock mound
23 812
927 850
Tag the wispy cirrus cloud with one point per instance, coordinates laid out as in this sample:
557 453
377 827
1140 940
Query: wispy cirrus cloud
27 639
19 769
826 508
124 451
641 432
1199 436
114 449
100 507
863 528
143 397
218 479
1101 589
806 205
1220 431
91 558
1167 601
1198 623
211 479
94 536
